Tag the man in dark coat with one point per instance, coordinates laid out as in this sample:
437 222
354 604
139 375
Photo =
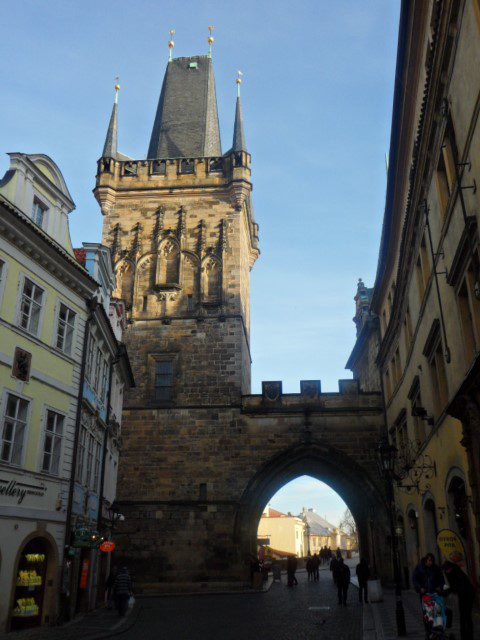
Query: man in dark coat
363 574
343 581
334 569
122 588
461 585
315 567
291 569
428 577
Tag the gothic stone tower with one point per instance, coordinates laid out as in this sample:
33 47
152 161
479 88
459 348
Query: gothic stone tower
183 240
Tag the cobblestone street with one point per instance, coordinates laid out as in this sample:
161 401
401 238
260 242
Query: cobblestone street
309 610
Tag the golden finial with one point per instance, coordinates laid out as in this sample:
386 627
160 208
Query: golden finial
239 82
171 44
117 88
210 40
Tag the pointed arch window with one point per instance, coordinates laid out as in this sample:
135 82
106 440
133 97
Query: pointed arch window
168 270
124 290
212 281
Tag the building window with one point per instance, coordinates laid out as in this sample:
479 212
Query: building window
164 380
466 321
14 427
66 326
145 303
435 357
104 389
439 378
97 369
93 463
388 385
53 442
446 172
31 306
415 398
38 213
82 444
189 302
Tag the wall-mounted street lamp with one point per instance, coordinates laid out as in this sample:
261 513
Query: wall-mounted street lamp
387 456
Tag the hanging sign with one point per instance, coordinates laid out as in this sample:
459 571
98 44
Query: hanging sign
107 547
451 547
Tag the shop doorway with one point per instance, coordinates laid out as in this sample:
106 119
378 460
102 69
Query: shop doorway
34 585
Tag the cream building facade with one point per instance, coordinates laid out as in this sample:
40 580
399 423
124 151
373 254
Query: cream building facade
283 533
42 324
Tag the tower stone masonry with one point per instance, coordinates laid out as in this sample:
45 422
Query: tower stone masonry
200 456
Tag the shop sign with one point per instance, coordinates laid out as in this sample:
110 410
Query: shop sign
86 539
107 547
18 490
451 547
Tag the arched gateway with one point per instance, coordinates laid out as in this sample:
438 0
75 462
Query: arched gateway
200 455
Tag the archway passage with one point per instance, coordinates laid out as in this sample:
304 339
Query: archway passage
201 525
357 489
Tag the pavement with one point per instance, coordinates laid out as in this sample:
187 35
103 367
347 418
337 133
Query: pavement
305 612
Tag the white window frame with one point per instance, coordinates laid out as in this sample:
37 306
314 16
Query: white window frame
61 415
59 323
38 204
6 394
23 279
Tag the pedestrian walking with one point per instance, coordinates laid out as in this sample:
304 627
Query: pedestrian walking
315 567
343 581
291 569
309 568
363 574
122 589
334 569
460 585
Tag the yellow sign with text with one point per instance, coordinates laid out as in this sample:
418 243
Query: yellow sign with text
451 547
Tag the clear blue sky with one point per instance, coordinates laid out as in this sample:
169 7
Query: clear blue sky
306 491
317 97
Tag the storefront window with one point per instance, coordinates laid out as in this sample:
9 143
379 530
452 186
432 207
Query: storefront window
30 585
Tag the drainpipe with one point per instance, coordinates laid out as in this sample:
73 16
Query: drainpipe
105 443
91 304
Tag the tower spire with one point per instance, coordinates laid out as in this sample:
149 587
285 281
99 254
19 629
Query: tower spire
171 44
210 40
110 146
238 132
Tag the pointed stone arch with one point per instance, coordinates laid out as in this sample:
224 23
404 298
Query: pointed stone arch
359 491
211 280
168 263
144 279
125 280
190 279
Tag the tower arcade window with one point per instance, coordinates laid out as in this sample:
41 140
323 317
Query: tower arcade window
163 385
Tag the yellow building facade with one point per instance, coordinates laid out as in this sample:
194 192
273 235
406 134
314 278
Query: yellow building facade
43 293
426 297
